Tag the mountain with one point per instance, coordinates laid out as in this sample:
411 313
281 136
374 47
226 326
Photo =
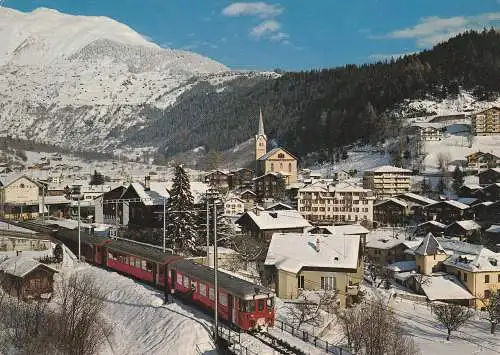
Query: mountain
316 113
68 79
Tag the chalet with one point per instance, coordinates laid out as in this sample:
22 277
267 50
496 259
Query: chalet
240 178
269 186
415 203
391 212
486 122
278 206
218 179
434 227
341 175
249 197
388 250
490 176
145 208
26 278
482 161
108 208
490 192
446 211
463 229
468 190
345 229
492 235
263 224
490 213
234 206
297 262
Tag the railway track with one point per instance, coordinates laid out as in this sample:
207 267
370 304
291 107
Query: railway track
277 344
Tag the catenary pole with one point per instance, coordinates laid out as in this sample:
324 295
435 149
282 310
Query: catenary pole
164 222
216 286
79 232
208 231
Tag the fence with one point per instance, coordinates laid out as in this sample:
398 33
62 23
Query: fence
311 339
234 340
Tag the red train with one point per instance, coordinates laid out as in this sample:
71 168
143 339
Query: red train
241 303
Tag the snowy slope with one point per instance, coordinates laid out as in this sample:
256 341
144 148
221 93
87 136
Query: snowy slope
77 78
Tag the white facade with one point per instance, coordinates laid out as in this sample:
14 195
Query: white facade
234 206
341 203
21 190
387 181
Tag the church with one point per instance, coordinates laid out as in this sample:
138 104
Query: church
277 160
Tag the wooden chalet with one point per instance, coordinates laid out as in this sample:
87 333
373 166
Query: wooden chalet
269 186
446 212
489 176
390 211
26 278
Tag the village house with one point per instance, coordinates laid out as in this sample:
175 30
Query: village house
20 197
468 190
489 176
434 227
489 213
270 186
26 278
446 211
463 230
492 236
218 179
416 204
489 193
481 161
263 224
234 206
297 262
390 212
387 181
386 251
240 178
430 132
486 123
278 160
249 197
108 208
341 203
20 239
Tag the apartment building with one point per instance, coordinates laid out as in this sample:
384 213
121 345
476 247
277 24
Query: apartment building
341 203
487 122
387 181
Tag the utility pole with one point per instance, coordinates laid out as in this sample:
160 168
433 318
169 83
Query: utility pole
215 275
164 222
43 204
79 232
208 232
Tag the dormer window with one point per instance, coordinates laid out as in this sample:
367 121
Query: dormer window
281 156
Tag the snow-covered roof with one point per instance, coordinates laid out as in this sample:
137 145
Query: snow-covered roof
467 200
434 223
444 287
471 186
386 243
279 204
429 246
20 266
284 219
388 169
485 260
56 200
315 187
403 266
455 246
9 179
68 223
12 227
453 203
494 228
468 225
293 251
395 200
417 197
154 196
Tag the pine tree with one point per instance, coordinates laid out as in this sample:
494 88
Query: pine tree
97 179
458 178
181 215
441 186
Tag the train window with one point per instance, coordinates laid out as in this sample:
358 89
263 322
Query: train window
149 266
186 281
179 279
270 303
211 293
203 289
261 305
143 265
223 299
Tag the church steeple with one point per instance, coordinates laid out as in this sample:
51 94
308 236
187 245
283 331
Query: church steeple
260 138
261 124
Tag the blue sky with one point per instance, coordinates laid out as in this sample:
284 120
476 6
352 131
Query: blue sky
292 34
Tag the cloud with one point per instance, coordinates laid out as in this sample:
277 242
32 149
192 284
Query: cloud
432 30
260 9
268 28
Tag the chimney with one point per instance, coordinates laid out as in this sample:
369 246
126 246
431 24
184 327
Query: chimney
147 183
317 245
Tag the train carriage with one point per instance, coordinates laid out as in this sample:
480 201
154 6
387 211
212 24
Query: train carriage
241 303
92 247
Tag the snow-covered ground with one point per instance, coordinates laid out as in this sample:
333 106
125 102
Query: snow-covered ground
359 160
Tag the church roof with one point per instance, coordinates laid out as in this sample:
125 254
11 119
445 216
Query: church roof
275 150
429 246
261 125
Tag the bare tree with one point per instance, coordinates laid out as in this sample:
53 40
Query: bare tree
307 310
452 316
80 320
420 281
372 329
380 273
492 310
249 248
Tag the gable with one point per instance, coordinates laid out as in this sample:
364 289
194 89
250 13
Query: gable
280 154
489 111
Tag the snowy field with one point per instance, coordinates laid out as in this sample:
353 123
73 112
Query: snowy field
356 160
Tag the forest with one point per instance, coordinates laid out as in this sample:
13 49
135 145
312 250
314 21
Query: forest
320 111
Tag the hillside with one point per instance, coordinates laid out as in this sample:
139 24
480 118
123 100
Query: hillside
320 110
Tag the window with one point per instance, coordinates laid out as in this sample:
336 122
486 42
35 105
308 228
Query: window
459 274
487 294
300 282
328 283
203 289
272 166
281 156
260 305
498 278
185 282
179 279
465 276
247 306
211 293
35 283
223 299
289 167
486 279
270 303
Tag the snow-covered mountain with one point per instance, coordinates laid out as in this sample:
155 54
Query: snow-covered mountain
68 79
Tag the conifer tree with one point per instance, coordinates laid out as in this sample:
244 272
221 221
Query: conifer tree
458 178
181 215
